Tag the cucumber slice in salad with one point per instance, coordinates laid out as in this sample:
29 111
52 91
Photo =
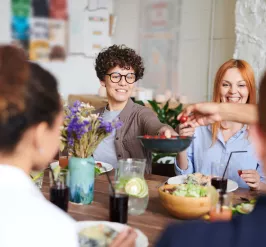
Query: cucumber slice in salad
245 208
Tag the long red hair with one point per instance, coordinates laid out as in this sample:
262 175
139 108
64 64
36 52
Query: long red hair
248 75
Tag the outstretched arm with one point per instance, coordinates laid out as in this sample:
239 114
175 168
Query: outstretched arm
208 113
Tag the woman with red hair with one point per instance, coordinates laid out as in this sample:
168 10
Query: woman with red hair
234 83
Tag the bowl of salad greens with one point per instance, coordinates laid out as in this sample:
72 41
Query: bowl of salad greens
185 201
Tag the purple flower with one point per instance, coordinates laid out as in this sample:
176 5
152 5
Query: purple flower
75 108
70 141
118 124
77 103
109 126
77 128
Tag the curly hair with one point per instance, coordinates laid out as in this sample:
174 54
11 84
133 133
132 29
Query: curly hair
118 55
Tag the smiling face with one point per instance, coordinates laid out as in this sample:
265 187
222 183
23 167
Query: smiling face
233 88
118 93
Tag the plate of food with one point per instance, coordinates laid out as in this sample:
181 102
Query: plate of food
102 167
161 144
102 233
200 179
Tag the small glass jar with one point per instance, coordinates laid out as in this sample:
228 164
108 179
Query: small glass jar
222 211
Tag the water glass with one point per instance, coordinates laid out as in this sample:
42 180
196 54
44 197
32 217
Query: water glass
118 203
59 191
218 177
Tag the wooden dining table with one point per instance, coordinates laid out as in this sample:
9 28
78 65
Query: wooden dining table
151 223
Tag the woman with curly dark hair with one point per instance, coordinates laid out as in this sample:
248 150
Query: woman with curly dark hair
118 68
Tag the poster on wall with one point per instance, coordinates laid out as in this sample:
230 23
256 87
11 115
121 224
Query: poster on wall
21 8
98 4
39 39
40 8
96 31
76 26
20 25
58 9
88 27
159 43
57 32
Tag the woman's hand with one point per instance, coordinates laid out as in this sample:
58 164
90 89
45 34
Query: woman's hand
202 113
186 129
252 178
209 113
126 238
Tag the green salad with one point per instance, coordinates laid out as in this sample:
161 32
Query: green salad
188 190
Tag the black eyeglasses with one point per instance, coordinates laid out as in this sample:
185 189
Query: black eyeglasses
116 77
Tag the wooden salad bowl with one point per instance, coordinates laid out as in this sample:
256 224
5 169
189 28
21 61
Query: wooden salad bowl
184 207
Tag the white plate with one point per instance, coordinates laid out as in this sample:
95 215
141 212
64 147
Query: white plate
107 166
231 185
142 240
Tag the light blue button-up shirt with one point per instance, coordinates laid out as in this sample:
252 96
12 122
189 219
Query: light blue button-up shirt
201 154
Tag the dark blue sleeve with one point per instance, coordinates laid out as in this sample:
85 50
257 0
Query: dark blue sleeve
196 233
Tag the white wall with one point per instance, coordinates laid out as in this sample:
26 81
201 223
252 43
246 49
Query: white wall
195 40
5 24
251 34
75 76
127 27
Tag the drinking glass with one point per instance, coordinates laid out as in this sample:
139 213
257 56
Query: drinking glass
118 203
59 191
222 211
63 158
218 178
37 178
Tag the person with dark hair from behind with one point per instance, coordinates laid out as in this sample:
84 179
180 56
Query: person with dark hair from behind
241 231
118 69
30 119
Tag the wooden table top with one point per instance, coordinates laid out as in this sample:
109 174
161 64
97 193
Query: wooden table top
151 223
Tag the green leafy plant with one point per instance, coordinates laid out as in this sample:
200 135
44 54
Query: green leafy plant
165 114
168 116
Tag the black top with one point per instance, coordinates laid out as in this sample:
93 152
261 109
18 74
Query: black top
242 231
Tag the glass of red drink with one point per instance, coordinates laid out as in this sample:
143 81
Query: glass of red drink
59 190
118 204
219 176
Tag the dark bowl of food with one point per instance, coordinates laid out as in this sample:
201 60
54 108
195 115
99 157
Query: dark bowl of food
161 144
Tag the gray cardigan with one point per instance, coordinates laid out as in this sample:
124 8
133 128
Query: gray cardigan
137 120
